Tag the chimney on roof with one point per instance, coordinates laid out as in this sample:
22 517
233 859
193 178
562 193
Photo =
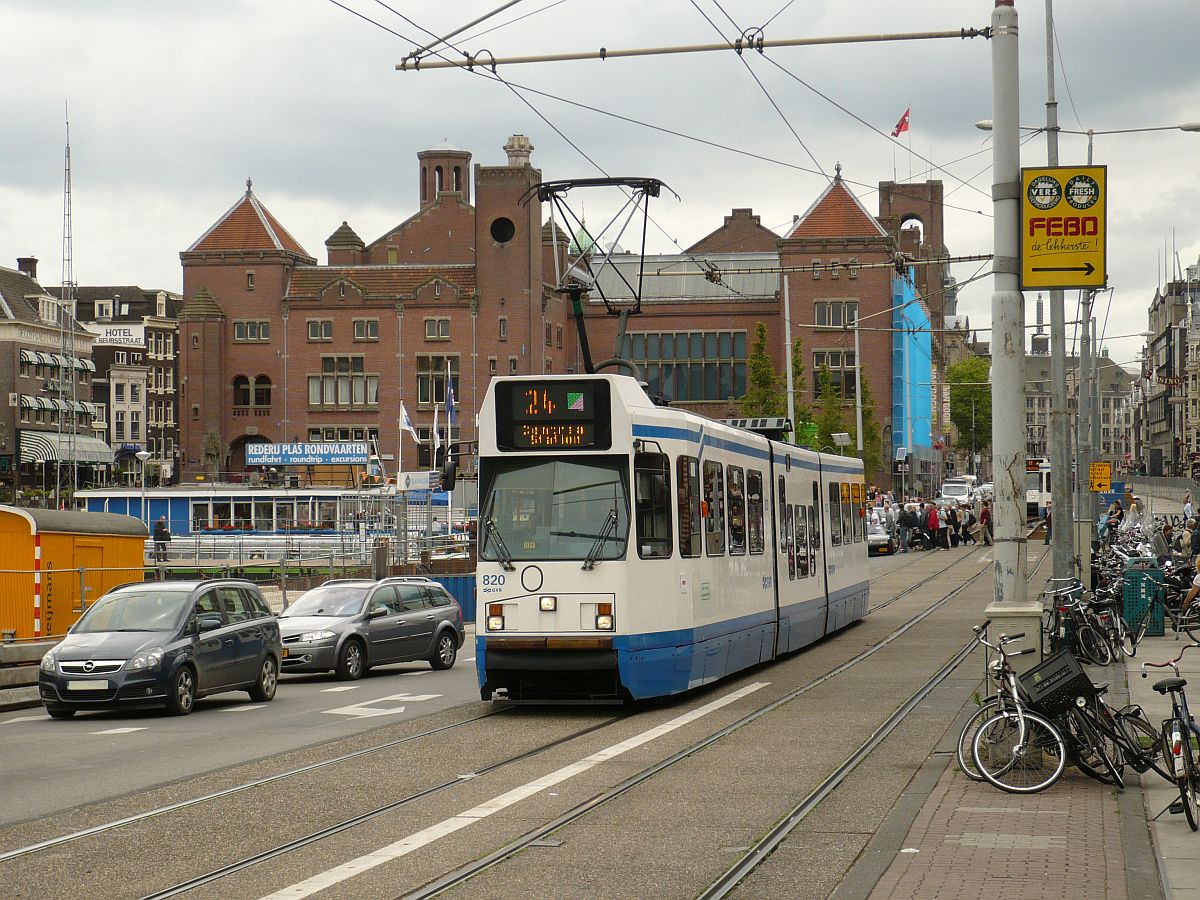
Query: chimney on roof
518 149
28 265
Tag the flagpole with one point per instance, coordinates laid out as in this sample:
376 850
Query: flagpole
909 118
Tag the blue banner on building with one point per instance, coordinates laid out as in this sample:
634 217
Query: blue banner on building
345 453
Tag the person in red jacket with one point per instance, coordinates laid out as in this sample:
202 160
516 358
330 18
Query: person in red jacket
985 520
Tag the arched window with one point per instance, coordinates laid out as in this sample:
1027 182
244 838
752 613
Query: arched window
241 391
424 183
437 180
262 391
458 178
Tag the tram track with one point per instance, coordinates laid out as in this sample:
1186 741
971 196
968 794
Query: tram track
351 822
136 818
469 871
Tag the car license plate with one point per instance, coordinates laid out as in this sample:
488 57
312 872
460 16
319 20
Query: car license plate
883 549
87 685
285 654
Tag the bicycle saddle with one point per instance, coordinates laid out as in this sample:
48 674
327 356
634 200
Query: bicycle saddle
1169 684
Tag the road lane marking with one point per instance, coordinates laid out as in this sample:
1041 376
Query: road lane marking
426 836
243 708
41 718
335 690
469 659
119 730
365 709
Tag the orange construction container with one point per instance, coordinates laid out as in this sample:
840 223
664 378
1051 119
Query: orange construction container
53 563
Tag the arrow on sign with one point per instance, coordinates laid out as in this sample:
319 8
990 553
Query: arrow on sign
1087 270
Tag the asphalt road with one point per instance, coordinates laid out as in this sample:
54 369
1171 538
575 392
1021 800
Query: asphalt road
53 765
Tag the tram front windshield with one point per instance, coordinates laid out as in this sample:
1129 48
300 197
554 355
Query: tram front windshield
556 509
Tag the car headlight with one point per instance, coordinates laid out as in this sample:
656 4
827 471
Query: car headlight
147 659
314 637
49 661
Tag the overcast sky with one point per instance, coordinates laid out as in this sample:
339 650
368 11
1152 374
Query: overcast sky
173 105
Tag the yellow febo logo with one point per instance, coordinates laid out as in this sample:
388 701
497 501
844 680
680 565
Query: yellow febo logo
1063 211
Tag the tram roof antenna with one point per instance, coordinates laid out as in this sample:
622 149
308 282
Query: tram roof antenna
581 276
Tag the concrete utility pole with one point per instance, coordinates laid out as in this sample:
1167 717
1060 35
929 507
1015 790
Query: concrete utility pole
1083 455
1062 539
1010 611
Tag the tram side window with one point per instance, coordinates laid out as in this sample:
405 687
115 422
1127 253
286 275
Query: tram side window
815 520
652 483
714 509
687 470
754 511
814 537
802 567
783 516
737 511
835 513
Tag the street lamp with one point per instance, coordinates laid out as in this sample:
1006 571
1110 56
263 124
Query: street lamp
142 456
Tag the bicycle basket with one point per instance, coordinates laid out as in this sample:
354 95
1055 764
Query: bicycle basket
1055 682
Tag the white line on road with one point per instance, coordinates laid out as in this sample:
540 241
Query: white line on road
365 709
469 659
335 690
412 842
41 718
118 731
243 708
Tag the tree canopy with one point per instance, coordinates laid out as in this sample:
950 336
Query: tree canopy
969 384
765 391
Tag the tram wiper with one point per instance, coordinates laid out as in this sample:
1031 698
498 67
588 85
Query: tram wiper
502 554
610 523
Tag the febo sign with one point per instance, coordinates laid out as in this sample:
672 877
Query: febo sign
1063 222
348 453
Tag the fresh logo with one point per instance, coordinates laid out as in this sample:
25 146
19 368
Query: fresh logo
575 400
1083 192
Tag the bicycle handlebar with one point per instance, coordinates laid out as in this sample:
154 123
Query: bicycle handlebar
1173 663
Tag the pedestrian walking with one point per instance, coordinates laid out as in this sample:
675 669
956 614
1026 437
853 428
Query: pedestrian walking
1049 522
162 537
985 521
1188 512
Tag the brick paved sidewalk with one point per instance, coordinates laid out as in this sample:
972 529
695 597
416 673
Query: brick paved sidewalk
972 840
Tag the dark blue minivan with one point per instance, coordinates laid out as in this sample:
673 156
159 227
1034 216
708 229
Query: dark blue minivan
165 643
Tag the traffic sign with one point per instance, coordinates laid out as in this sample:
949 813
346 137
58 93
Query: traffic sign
1100 477
1063 224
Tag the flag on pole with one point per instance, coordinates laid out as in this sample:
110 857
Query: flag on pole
451 412
902 125
406 423
435 438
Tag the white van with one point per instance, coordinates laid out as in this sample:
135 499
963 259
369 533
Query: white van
956 490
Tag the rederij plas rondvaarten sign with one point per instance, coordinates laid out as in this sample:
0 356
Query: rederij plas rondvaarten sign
1063 212
345 453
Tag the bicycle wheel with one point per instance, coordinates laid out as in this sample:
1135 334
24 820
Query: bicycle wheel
1189 622
966 737
1092 645
1096 754
1186 775
1015 765
1142 625
1128 647
1141 740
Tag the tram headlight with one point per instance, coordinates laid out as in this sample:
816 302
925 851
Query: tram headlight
604 617
548 604
495 617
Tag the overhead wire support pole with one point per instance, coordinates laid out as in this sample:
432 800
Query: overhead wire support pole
416 54
485 59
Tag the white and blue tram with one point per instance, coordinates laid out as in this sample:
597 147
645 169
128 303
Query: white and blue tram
629 550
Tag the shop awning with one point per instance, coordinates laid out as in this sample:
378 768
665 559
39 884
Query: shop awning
28 402
50 446
44 403
46 359
82 363
28 356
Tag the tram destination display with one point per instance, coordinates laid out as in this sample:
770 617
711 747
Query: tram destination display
558 415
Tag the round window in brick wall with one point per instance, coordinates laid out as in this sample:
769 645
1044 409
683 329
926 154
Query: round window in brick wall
503 230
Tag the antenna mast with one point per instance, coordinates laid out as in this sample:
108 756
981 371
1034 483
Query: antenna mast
67 400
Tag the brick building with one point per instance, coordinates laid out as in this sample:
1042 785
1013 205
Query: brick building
275 346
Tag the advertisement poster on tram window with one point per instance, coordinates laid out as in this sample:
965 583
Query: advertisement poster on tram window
341 453
1063 225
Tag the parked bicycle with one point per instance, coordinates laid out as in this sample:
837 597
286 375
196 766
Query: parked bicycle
1180 740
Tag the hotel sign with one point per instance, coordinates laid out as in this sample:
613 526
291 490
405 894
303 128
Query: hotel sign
118 334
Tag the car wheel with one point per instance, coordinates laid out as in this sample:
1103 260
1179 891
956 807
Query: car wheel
181 697
268 679
60 712
445 651
351 662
